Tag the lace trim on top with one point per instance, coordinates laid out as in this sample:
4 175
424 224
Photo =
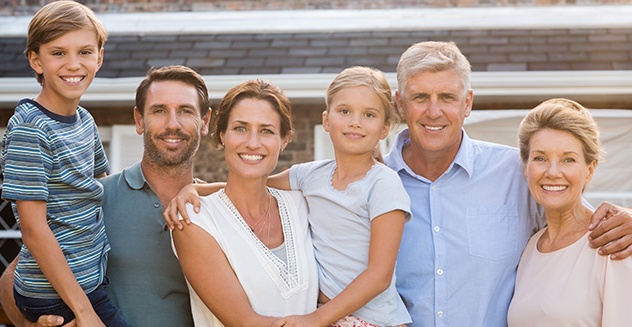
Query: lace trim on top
288 272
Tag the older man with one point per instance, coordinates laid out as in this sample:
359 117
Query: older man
146 283
472 211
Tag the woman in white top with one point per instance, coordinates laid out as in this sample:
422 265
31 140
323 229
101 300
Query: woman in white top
248 255
561 281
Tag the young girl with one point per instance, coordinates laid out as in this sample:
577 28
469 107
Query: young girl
358 208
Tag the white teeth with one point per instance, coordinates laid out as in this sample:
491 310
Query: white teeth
249 157
554 188
433 128
172 140
73 79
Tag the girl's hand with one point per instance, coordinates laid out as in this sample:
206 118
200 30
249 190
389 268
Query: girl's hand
177 205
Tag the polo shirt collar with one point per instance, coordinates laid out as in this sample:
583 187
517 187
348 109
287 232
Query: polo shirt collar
134 176
464 157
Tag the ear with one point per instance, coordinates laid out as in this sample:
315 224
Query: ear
100 59
286 141
400 107
591 170
138 121
205 122
221 138
385 130
326 121
469 100
34 61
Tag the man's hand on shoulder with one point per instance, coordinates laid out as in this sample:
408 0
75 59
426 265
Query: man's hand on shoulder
611 227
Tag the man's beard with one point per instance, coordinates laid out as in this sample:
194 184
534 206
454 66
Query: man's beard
167 157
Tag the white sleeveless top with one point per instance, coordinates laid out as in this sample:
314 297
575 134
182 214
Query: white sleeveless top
273 287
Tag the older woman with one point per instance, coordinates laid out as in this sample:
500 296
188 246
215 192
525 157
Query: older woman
248 256
561 281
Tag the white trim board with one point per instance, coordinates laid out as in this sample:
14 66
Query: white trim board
506 86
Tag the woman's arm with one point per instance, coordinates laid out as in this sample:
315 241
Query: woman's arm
189 194
386 235
208 271
43 245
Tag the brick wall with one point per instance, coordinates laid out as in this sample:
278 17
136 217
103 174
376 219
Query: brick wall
28 7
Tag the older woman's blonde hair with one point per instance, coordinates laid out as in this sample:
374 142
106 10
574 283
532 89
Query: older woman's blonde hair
562 115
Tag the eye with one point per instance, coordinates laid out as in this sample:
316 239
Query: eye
420 97
58 53
370 115
569 160
188 111
448 97
538 158
86 52
343 111
240 128
267 131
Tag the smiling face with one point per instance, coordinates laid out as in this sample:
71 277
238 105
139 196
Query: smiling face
68 65
434 106
171 123
556 170
355 120
252 140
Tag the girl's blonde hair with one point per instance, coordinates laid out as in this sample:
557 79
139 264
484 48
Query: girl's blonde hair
366 76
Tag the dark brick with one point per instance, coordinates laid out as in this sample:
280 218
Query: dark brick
245 62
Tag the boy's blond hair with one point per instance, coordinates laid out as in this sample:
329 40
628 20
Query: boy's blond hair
58 18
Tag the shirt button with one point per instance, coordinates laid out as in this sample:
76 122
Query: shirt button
434 187
440 313
436 229
156 205
439 271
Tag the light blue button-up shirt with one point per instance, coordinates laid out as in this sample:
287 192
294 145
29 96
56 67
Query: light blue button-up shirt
458 257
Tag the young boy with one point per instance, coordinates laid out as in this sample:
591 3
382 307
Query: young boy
51 154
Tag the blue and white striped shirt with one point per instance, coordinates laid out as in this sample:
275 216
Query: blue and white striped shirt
55 158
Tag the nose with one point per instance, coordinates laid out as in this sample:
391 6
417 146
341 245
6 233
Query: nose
354 120
434 109
253 140
173 123
552 169
73 62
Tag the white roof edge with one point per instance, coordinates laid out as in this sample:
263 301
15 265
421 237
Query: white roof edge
324 21
508 86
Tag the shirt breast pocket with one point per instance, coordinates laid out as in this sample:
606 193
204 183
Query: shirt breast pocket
492 231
